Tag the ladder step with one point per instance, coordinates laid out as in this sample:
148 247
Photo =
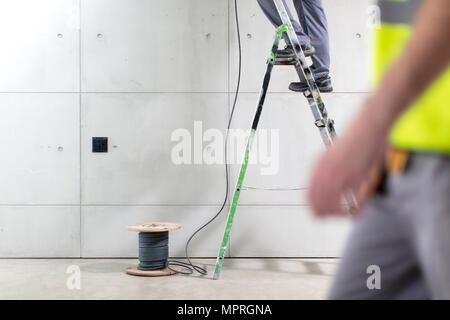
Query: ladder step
286 61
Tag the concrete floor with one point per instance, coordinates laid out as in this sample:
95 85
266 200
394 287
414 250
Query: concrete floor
106 279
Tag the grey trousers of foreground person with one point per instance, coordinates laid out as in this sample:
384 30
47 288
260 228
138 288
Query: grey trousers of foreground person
406 233
313 27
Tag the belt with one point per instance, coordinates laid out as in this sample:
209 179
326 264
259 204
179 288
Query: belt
396 160
395 163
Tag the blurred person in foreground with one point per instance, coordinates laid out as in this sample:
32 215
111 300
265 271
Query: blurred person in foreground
403 129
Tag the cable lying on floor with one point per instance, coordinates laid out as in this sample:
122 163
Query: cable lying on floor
189 265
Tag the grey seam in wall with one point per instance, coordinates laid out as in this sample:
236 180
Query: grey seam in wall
151 205
80 126
229 100
174 92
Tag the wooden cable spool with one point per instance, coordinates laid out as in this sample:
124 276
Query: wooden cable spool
153 227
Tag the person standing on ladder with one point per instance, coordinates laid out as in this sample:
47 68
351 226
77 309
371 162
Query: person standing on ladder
312 32
402 235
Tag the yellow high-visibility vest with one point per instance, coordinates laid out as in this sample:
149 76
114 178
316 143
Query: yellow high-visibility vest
425 126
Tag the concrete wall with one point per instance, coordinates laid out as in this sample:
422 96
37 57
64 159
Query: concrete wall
135 70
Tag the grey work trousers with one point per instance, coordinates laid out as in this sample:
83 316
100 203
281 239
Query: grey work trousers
312 28
404 231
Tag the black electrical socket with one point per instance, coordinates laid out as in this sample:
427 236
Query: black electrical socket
99 144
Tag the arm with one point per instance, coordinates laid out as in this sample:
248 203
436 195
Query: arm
346 165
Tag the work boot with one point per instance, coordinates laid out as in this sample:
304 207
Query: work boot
288 52
324 84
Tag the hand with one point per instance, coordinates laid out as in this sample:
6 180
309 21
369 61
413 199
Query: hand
346 165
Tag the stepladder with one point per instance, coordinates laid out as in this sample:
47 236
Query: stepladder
315 102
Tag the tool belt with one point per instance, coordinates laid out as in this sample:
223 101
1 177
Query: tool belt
395 163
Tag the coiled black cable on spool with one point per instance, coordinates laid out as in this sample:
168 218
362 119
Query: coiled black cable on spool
153 250
154 253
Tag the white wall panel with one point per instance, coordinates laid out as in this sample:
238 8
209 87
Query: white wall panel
349 44
40 45
39 139
35 231
140 170
299 143
105 235
151 45
286 231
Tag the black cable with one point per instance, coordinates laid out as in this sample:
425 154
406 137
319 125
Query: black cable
189 265
153 250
